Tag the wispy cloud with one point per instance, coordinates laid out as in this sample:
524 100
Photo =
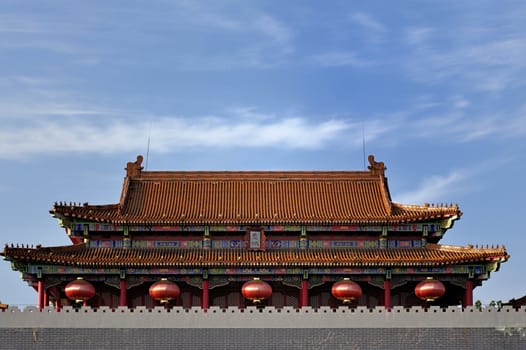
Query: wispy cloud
418 36
369 28
39 119
170 134
223 35
368 22
252 21
490 66
273 28
32 97
456 127
20 24
261 40
437 186
444 187
42 33
44 135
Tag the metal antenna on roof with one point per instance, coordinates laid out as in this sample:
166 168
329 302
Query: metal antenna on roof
148 146
363 144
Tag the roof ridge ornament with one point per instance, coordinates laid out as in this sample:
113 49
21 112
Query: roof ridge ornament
133 169
376 168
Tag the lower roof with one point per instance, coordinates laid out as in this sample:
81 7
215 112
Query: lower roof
81 255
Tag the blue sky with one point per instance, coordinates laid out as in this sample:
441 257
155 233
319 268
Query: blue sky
436 87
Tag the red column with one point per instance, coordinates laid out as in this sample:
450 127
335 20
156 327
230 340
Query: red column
304 293
40 288
205 302
46 298
123 298
387 294
468 296
58 304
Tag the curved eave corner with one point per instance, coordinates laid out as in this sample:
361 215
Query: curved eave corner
449 221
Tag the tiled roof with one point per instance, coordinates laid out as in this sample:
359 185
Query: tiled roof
256 197
81 256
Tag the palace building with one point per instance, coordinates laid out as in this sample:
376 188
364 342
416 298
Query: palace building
242 238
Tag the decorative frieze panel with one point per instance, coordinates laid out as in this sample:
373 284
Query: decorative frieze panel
102 227
269 244
405 243
106 243
97 227
173 244
229 244
343 244
58 269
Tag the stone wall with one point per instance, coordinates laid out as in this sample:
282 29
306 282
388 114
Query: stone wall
267 328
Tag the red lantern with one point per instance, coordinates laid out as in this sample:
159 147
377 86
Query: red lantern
346 290
79 290
256 290
164 291
430 289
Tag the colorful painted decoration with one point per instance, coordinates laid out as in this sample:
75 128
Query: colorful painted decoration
256 290
79 290
346 290
164 291
430 289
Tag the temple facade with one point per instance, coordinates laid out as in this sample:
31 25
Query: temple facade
312 238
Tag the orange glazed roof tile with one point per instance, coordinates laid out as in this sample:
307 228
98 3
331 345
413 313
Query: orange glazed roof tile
255 197
82 256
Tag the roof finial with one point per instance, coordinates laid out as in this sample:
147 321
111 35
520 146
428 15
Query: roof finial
376 168
133 169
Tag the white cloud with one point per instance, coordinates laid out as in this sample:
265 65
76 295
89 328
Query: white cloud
367 22
28 98
371 29
444 187
261 40
418 36
273 28
175 134
456 127
493 65
20 25
437 186
252 20
459 102
517 126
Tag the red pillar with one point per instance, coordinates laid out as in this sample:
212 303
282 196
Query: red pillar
46 298
387 294
304 294
468 296
123 298
205 301
58 304
40 289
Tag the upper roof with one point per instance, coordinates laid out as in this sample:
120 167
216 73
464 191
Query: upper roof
255 197
80 255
